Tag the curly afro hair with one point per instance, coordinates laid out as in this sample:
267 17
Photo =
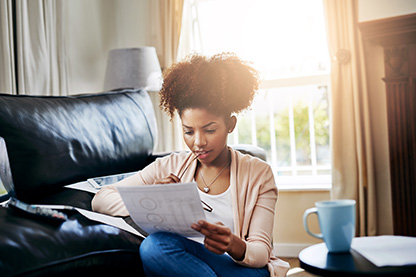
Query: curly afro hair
223 84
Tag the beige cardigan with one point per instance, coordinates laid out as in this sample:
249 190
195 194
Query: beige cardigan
253 192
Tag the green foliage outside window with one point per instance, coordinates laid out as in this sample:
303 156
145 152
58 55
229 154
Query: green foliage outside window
2 189
282 131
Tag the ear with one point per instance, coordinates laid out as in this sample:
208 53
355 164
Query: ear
231 123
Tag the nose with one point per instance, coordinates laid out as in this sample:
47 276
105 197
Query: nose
200 139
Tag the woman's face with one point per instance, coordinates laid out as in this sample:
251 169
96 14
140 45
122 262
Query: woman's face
205 134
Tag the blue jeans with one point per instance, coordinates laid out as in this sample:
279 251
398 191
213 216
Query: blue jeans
167 254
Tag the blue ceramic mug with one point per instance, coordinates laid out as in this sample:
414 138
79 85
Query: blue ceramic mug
336 221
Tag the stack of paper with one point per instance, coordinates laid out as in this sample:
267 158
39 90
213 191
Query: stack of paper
387 250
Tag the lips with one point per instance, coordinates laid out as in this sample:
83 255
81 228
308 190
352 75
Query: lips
202 154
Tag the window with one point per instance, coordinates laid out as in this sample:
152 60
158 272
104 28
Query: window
3 192
286 41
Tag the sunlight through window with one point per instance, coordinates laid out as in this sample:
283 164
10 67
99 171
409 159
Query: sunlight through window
286 42
282 38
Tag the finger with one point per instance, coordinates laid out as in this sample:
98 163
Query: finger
218 247
168 180
214 235
214 250
206 232
219 242
222 243
163 181
217 228
174 178
196 227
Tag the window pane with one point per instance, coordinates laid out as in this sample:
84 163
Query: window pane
283 102
261 108
281 125
301 122
263 132
2 189
284 173
261 31
244 128
321 116
305 172
324 172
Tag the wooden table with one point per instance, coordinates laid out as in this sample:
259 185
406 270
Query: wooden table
316 259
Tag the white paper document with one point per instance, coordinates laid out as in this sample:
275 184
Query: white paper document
387 250
84 185
171 207
109 220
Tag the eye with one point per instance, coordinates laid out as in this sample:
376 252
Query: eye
188 132
210 131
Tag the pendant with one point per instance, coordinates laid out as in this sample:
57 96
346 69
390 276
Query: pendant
206 189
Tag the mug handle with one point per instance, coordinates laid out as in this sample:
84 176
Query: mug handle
305 222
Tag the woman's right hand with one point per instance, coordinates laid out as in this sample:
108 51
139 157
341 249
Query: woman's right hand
172 178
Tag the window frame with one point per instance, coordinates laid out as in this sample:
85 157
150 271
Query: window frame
295 182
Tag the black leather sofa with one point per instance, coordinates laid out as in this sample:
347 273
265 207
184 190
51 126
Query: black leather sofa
56 141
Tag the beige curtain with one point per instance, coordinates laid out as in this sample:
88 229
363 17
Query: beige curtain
166 17
40 49
352 154
166 21
41 53
7 66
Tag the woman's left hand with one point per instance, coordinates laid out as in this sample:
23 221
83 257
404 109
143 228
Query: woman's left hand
219 239
172 178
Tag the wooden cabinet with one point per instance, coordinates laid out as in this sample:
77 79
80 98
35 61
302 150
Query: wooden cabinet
397 36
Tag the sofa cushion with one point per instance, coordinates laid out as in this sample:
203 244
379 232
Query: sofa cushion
55 141
77 247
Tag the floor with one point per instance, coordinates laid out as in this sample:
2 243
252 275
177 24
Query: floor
295 270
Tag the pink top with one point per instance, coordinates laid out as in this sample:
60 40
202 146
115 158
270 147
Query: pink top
253 193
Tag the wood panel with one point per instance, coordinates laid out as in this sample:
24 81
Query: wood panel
397 35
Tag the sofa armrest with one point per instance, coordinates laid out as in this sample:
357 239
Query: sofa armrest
252 150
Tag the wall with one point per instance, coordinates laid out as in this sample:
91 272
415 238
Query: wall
95 32
379 9
289 236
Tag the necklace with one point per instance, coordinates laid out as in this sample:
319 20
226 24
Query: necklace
206 188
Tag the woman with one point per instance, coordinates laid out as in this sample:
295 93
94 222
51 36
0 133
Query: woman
207 93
